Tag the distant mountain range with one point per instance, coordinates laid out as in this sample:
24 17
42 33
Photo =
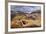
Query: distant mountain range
20 12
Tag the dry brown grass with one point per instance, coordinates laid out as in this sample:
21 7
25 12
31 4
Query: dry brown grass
20 21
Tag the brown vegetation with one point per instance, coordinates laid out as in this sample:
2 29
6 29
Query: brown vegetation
27 20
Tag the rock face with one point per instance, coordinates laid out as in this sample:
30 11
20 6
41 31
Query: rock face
28 20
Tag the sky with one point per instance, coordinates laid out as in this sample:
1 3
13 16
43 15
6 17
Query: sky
25 9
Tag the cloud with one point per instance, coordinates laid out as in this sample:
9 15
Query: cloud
26 9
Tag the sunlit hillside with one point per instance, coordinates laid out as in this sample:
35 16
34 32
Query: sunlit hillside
22 20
